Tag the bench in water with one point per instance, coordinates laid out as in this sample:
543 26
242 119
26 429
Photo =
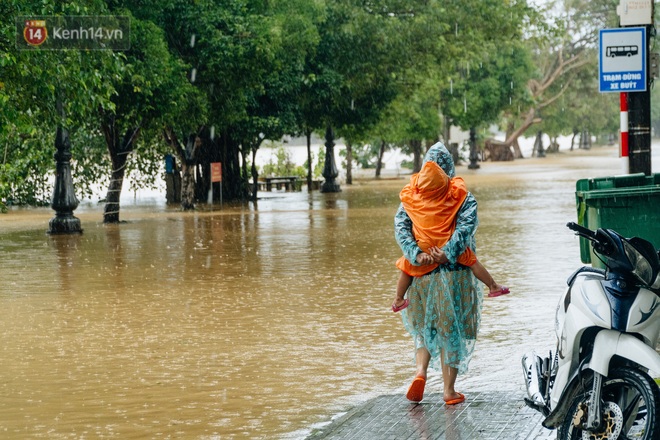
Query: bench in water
287 183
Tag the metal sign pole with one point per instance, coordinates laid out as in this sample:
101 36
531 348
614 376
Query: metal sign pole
623 149
216 176
639 13
639 126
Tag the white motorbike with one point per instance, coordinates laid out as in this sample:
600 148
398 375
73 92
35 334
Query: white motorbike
596 385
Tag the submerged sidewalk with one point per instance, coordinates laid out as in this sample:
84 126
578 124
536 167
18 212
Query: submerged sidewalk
483 416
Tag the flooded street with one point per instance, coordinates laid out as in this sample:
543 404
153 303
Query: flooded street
261 321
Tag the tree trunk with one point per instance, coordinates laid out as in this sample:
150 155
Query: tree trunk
379 162
187 186
554 145
308 135
111 210
575 133
255 175
517 153
417 155
187 157
538 145
585 140
119 148
446 130
349 163
512 137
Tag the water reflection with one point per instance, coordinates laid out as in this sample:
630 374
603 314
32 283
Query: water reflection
257 321
421 422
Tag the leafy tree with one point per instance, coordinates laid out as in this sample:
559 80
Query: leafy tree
33 82
562 38
354 70
464 62
274 110
247 58
581 109
148 87
493 78
283 166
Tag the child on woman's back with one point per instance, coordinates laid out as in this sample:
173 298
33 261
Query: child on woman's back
432 200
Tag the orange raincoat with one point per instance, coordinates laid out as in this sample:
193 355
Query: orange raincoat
432 201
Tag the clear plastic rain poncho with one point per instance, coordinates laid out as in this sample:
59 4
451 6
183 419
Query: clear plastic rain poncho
445 305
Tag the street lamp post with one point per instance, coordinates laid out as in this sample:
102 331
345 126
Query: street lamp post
474 155
64 199
330 169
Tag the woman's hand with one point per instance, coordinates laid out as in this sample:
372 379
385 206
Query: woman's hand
438 255
424 258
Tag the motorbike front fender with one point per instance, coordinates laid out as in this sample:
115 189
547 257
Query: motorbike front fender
609 343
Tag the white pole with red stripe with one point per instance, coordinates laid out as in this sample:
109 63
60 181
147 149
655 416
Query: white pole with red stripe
625 162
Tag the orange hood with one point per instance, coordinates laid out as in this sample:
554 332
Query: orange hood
432 201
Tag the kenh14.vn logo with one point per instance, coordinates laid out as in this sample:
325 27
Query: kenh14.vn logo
35 32
84 32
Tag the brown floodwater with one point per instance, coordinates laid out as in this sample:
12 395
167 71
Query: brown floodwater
261 321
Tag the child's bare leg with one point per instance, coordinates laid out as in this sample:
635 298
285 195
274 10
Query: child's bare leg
401 286
484 276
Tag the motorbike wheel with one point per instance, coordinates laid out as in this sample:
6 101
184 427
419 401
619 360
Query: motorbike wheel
631 409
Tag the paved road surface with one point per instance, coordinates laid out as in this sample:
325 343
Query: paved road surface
483 416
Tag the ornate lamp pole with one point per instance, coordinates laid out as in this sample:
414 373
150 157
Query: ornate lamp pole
329 168
64 199
474 155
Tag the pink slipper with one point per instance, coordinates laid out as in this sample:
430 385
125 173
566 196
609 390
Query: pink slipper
401 307
495 293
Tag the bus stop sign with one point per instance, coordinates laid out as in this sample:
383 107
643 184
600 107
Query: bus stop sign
622 59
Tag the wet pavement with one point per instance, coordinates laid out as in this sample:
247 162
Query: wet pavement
486 415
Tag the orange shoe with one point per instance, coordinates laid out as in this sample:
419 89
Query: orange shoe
416 389
457 400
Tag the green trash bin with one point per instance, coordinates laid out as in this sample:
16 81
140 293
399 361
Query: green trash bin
629 204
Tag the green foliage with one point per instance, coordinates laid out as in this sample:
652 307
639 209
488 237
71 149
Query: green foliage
382 69
481 91
33 81
283 165
22 180
317 166
564 47
582 107
365 155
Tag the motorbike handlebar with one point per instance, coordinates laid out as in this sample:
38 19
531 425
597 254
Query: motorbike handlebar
581 230
601 242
